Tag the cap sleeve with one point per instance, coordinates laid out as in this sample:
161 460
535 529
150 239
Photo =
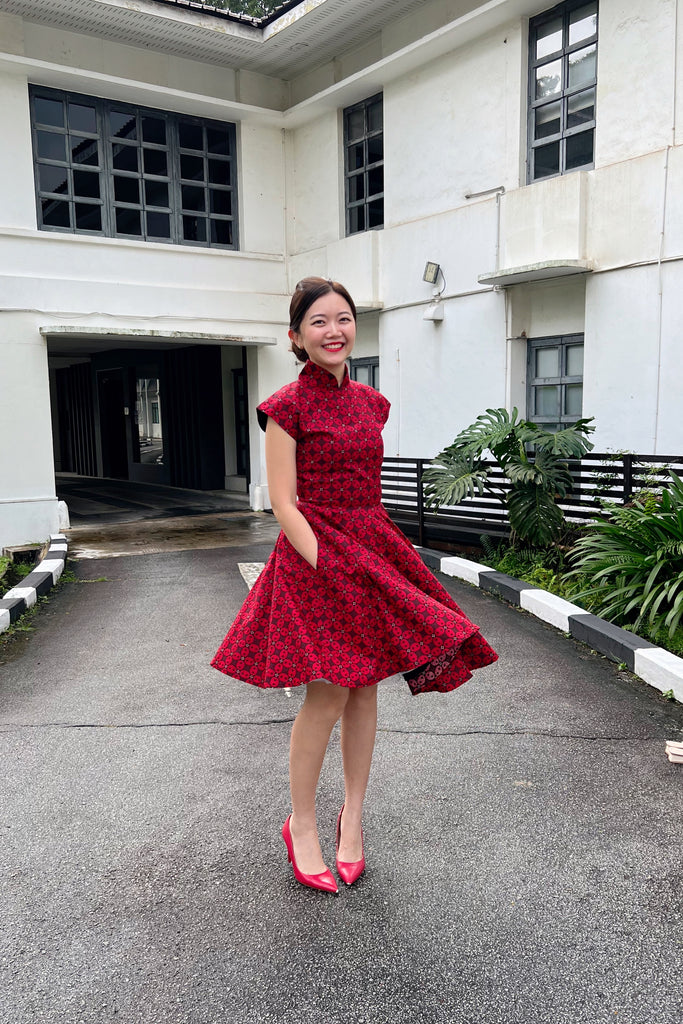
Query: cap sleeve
283 407
384 407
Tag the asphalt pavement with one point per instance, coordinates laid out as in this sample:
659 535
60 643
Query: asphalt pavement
523 835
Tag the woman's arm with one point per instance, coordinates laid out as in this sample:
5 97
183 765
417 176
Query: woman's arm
281 471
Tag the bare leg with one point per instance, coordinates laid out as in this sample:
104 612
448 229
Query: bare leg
358 729
311 731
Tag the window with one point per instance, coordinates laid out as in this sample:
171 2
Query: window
555 381
108 168
364 165
563 50
366 371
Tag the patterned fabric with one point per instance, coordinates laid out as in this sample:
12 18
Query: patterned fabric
371 608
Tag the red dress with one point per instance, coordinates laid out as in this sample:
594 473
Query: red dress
371 608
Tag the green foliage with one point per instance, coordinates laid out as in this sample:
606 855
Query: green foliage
533 459
634 561
256 8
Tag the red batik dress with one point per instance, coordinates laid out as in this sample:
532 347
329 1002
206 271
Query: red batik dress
371 608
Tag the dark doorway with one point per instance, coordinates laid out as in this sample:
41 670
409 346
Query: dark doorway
111 393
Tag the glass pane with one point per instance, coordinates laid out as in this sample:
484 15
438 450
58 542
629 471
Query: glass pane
194 229
126 190
51 146
192 168
88 217
356 188
582 66
82 118
55 213
375 116
549 79
580 150
218 140
573 400
158 225
52 179
154 161
123 124
125 158
219 172
355 124
221 201
548 120
49 111
87 184
191 135
150 449
581 108
583 23
547 160
549 38
375 148
376 181
193 198
574 360
85 151
356 156
128 222
156 193
154 130
221 232
376 213
547 400
363 374
547 362
356 219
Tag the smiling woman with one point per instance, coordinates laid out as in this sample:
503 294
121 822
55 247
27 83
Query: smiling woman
344 599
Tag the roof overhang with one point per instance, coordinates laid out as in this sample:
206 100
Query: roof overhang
546 271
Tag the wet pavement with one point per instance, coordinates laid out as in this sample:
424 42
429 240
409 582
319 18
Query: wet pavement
522 835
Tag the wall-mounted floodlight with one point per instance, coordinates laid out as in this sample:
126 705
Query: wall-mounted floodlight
434 310
431 273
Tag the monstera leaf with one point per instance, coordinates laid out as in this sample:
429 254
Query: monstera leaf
534 516
454 477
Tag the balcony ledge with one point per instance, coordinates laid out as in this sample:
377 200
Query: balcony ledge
545 271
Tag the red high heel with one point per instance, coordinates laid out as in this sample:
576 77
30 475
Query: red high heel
349 871
324 881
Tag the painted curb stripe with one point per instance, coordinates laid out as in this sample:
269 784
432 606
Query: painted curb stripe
656 666
39 581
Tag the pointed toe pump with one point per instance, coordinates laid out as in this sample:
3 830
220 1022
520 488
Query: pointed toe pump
325 880
349 871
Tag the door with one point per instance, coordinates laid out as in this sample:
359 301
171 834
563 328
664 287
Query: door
111 393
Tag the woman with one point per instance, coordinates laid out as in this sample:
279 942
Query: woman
344 601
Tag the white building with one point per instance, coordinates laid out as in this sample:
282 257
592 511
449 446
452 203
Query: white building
168 173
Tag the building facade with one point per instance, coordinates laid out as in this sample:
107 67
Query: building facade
168 173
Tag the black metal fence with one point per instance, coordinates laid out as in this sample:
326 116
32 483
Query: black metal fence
597 476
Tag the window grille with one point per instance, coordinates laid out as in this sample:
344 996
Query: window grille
364 165
108 168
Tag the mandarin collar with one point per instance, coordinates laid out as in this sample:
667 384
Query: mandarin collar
323 377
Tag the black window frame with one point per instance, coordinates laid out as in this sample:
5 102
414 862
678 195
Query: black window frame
561 380
112 201
362 166
566 133
364 362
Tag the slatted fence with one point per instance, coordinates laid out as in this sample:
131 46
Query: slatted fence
598 476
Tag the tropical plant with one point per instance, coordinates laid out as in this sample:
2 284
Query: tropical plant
634 564
533 459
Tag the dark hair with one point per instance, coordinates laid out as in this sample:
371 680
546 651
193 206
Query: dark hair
308 291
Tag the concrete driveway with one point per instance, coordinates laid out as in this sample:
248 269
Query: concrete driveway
523 835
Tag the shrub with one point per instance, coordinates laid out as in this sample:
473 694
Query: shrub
634 564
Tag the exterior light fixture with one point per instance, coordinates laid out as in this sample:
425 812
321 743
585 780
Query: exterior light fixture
435 309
